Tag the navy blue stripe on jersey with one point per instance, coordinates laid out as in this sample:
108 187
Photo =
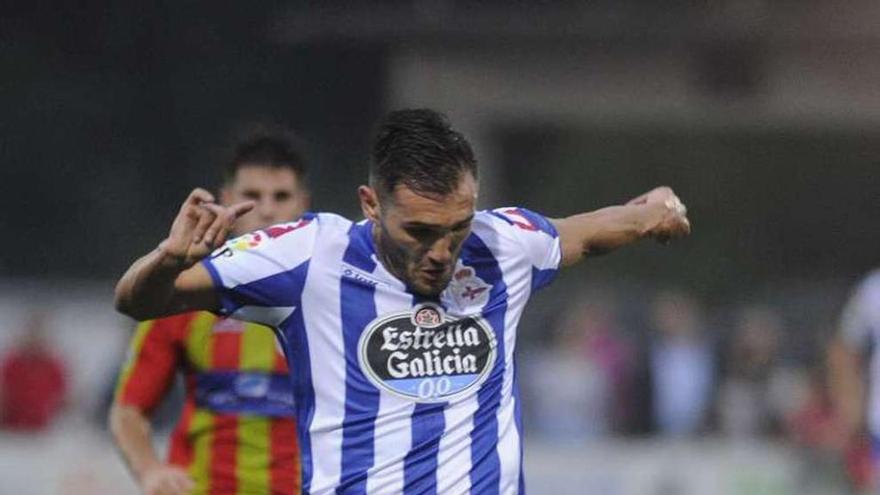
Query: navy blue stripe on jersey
426 429
358 308
542 278
517 415
420 465
293 330
280 289
485 465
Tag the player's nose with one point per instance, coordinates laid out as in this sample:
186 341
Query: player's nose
266 209
441 251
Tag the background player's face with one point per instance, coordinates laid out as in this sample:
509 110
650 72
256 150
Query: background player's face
420 237
277 192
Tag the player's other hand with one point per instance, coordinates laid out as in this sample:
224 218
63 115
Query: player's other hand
669 213
201 226
166 480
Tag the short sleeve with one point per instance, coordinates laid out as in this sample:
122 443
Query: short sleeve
537 237
259 276
860 318
151 362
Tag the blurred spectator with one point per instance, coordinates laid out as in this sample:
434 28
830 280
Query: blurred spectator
570 392
34 381
830 457
749 403
580 380
679 366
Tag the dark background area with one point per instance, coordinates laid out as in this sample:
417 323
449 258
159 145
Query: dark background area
112 112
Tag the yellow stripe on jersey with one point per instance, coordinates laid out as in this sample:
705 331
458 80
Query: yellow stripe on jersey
198 340
257 349
252 458
201 431
134 349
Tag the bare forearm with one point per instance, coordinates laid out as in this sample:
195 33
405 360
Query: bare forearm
847 387
133 436
602 231
145 291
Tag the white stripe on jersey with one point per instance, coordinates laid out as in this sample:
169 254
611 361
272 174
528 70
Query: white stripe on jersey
392 435
518 292
323 323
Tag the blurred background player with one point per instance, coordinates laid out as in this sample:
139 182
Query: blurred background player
855 388
236 434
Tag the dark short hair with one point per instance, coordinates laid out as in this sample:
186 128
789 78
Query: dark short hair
266 145
419 149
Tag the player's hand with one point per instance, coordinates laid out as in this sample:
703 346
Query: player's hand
201 226
672 221
166 480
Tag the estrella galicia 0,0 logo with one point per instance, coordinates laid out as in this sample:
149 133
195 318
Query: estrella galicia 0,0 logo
424 355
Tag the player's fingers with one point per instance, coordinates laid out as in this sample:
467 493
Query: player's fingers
185 483
220 236
638 200
206 218
181 484
199 196
220 223
240 209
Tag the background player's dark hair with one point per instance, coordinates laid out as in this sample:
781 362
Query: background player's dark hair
266 145
420 149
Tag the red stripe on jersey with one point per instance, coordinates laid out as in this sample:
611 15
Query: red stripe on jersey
180 451
280 365
154 363
284 473
224 450
226 350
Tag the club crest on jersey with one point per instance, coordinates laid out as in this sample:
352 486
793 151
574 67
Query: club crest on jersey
468 289
424 355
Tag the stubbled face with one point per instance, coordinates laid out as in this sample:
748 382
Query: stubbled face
419 237
277 192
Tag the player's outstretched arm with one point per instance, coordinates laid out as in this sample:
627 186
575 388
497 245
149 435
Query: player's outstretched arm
133 435
657 214
169 279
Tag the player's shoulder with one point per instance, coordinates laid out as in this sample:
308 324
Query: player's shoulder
296 233
514 219
869 286
174 327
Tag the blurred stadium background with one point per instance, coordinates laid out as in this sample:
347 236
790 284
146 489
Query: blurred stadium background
692 369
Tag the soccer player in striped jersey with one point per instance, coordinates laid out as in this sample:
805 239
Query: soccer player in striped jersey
855 387
401 327
236 434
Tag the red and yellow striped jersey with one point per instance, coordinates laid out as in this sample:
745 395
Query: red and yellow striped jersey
236 435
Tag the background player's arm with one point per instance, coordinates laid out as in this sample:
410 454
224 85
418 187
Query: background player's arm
169 280
846 385
657 214
144 380
133 434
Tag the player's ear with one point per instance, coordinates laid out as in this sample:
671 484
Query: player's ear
369 203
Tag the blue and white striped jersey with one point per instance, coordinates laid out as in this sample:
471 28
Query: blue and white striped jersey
396 393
